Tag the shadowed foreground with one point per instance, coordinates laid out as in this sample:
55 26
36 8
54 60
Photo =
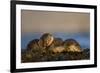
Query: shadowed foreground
42 57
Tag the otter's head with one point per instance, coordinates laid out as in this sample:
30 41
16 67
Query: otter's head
46 39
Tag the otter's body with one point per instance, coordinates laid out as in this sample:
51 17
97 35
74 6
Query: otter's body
58 49
33 44
72 45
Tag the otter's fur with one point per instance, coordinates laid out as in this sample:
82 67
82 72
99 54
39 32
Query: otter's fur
58 49
33 44
46 40
72 45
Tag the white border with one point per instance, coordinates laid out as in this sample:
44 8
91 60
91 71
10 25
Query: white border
20 65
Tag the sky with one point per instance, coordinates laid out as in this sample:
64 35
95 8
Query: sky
46 21
63 25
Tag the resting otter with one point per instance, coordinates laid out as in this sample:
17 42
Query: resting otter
40 45
46 40
57 42
33 44
58 49
69 45
72 45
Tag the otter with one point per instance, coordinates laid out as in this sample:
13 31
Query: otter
33 44
72 45
58 49
46 40
40 45
57 42
69 45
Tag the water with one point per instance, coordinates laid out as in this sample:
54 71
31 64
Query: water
82 38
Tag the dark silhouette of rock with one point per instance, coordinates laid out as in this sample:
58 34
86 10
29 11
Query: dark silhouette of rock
72 45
